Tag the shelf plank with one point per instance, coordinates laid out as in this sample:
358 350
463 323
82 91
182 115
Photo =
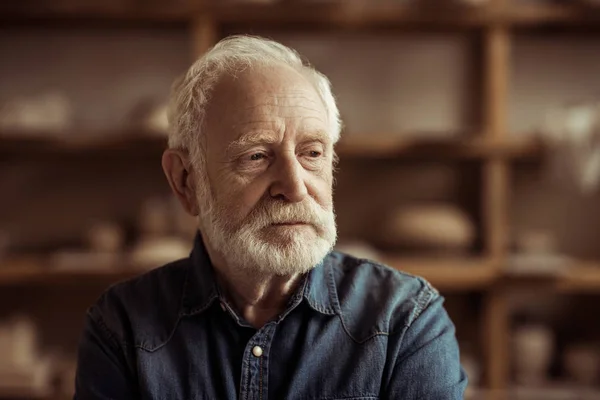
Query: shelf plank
568 14
350 15
445 274
34 271
580 277
329 15
356 146
391 146
449 274
78 142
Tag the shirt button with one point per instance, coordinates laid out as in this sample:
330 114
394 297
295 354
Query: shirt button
257 351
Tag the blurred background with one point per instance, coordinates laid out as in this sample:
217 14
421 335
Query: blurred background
470 156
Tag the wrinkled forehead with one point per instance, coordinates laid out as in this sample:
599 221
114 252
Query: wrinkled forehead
263 96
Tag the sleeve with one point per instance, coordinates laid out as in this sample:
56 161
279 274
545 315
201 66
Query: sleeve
425 358
102 369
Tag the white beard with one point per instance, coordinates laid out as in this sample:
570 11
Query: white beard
254 245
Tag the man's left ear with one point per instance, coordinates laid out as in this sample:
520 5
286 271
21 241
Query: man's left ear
180 174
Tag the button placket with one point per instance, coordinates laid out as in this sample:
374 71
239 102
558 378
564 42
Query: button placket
254 380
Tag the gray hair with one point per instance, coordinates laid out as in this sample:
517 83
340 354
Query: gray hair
192 92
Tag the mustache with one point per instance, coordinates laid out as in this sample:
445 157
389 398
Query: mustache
270 212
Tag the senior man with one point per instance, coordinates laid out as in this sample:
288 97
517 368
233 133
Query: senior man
263 308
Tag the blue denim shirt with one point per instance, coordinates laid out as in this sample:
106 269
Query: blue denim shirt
355 329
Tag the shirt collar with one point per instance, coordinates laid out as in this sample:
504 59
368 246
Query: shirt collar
200 290
320 291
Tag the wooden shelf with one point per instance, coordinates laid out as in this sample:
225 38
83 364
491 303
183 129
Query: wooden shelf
330 15
581 276
349 15
391 146
30 271
371 146
457 274
578 277
137 141
447 274
450 274
569 14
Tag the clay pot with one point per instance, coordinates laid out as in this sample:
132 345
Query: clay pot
105 237
533 348
429 227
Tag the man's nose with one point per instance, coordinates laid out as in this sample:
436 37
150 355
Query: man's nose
288 183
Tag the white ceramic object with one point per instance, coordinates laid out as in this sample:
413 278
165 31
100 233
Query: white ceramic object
532 352
105 237
432 227
152 253
573 134
24 338
359 249
156 121
43 112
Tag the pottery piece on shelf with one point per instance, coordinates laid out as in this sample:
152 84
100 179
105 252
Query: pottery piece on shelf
105 237
151 115
358 249
431 227
532 352
25 342
537 255
23 368
157 120
154 252
158 241
572 134
581 364
44 112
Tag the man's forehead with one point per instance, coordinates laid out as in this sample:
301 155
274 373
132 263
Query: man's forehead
275 84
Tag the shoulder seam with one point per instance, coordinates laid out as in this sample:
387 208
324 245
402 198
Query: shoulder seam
108 333
423 298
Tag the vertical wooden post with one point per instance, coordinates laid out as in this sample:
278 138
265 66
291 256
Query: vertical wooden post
496 173
495 335
495 197
204 34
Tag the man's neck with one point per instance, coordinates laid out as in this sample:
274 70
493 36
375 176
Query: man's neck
258 298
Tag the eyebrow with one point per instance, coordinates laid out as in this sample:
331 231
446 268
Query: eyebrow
263 137
252 139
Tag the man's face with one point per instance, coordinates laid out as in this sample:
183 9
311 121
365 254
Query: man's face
269 164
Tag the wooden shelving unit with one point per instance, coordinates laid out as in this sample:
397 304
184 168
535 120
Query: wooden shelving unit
329 15
358 146
494 23
34 270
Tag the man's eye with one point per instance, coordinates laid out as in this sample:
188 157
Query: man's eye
257 156
314 154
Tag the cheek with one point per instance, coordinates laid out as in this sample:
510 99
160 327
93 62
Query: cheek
321 190
239 197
